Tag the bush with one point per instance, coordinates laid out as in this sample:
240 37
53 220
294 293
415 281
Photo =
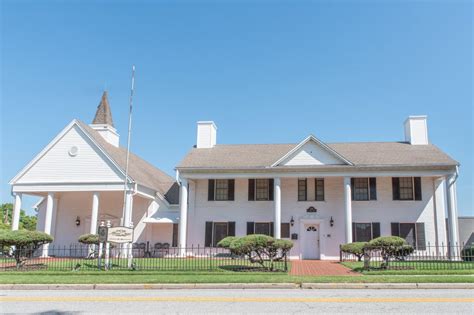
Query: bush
89 239
259 248
356 249
25 243
389 247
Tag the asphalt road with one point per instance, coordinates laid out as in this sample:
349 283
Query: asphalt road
275 301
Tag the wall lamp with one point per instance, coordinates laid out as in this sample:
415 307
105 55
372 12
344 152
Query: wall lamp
292 221
78 221
331 222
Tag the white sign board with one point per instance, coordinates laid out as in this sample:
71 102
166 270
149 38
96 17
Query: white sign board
120 234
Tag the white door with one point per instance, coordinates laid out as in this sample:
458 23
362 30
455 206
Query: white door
311 241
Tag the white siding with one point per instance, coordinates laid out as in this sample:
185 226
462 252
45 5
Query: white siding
56 165
311 154
383 210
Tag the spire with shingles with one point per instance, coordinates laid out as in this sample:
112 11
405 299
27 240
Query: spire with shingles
103 115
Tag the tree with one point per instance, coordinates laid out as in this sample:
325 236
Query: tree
258 248
24 242
27 222
356 249
390 247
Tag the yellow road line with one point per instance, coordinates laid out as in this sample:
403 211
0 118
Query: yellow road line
234 299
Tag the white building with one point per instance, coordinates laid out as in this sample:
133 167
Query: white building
317 194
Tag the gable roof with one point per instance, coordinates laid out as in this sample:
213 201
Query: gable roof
139 170
319 143
360 154
103 115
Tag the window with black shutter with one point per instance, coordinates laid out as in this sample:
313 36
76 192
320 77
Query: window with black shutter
319 189
406 188
413 233
174 242
364 188
285 230
302 189
364 232
260 189
221 189
250 228
208 234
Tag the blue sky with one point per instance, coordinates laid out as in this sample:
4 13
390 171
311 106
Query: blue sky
264 71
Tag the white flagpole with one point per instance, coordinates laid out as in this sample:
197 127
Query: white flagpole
126 213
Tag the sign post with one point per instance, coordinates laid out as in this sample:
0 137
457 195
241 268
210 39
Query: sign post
122 235
107 247
102 239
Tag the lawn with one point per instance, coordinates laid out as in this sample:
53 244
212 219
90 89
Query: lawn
50 277
416 268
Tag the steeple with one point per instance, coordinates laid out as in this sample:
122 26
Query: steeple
103 122
103 115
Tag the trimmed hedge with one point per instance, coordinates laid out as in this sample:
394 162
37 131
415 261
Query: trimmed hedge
356 248
25 243
390 247
89 239
258 248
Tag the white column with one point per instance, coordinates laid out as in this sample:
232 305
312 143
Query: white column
277 208
348 209
48 219
183 215
128 209
95 212
452 211
16 212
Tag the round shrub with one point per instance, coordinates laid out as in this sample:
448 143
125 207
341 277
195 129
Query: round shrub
225 242
385 241
89 239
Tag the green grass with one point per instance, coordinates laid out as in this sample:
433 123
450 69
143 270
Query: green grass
416 268
48 277
156 264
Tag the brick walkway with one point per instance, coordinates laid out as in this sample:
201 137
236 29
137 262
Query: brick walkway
319 268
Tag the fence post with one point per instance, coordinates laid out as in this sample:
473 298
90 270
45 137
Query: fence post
340 253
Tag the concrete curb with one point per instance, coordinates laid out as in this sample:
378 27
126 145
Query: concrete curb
171 286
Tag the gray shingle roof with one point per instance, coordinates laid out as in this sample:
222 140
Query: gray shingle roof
103 115
140 170
380 154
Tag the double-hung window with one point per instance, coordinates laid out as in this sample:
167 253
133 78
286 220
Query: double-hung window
413 233
260 189
364 232
216 231
364 188
318 189
406 188
221 189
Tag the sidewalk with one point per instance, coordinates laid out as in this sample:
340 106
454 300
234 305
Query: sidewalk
446 286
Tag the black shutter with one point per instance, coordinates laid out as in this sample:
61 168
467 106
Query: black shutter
251 189
396 188
373 188
250 228
231 190
395 229
174 241
208 237
375 229
420 236
354 232
230 228
210 190
270 189
271 229
352 188
417 182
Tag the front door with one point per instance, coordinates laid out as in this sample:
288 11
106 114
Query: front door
311 241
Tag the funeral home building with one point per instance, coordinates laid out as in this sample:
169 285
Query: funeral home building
316 194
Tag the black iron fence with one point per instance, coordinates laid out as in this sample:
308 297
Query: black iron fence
84 257
441 257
